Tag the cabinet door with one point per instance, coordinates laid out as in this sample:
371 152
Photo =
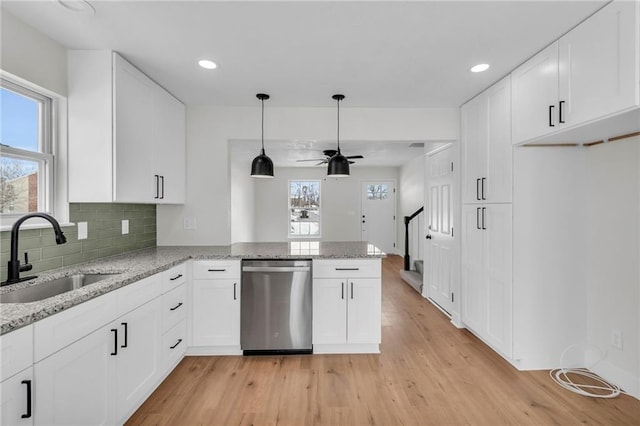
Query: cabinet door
472 267
474 142
133 145
14 399
598 74
364 306
139 361
535 96
497 186
169 153
216 313
76 385
498 281
330 310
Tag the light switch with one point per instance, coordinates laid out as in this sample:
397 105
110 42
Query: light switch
82 230
125 226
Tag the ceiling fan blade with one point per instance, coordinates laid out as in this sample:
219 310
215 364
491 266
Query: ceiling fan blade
321 163
354 156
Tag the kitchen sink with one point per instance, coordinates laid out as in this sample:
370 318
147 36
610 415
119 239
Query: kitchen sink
52 288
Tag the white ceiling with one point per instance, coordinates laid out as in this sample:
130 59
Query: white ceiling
389 54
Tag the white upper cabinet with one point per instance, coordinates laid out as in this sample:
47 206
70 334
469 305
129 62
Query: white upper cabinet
589 74
486 146
126 133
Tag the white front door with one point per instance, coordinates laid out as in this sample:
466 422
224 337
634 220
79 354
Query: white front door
440 247
378 214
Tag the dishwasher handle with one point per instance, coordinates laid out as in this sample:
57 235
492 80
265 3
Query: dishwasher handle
276 269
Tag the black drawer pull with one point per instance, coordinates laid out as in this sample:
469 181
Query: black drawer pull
126 334
217 270
177 343
347 269
551 116
176 277
28 413
176 307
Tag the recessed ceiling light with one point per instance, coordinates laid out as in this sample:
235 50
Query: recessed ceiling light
480 68
205 63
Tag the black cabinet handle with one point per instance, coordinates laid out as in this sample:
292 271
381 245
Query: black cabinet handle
351 289
157 186
177 343
28 413
342 291
551 116
162 196
347 269
217 270
176 277
561 112
115 341
484 210
126 334
478 218
234 291
176 307
478 189
483 180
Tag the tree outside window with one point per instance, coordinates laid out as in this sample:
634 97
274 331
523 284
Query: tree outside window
304 208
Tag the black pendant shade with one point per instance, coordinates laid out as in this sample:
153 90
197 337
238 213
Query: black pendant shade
338 165
262 166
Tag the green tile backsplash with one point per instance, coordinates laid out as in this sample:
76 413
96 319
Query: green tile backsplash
104 222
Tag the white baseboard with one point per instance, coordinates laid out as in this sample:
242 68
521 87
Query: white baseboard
213 350
362 348
616 375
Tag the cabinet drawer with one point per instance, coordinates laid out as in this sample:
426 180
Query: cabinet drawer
212 269
369 268
174 307
60 330
173 277
174 345
17 351
138 293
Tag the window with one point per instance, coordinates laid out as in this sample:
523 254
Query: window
377 192
304 208
26 159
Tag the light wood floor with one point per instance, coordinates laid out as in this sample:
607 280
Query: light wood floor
428 373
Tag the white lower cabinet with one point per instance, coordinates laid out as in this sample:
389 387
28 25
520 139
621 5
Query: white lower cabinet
16 399
347 306
215 308
487 274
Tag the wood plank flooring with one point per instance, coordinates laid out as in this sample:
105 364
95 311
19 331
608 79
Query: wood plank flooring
428 373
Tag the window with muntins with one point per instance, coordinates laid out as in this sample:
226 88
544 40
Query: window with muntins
26 153
304 208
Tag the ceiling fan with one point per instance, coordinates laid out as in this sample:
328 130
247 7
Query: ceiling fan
330 153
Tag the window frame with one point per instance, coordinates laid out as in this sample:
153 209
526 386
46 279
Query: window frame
49 183
289 207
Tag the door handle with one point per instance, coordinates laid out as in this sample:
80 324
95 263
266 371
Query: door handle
176 277
176 307
28 413
478 189
126 334
162 192
478 218
342 291
428 237
551 116
235 285
177 343
483 180
352 290
484 210
115 341
157 186
561 112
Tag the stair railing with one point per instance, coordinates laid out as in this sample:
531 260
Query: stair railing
407 219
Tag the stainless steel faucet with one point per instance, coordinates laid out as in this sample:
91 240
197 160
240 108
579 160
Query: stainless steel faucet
14 268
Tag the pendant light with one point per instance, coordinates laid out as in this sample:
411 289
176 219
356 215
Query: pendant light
338 164
262 166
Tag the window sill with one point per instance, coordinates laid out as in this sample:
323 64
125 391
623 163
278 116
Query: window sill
36 224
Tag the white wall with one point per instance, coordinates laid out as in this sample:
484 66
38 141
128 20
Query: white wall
209 129
411 198
613 255
340 202
30 55
549 268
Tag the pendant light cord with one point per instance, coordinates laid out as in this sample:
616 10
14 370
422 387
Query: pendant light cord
262 137
338 136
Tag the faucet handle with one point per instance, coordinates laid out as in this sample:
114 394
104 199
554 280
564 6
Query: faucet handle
27 266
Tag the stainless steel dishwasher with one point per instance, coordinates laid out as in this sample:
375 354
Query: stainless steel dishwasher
275 307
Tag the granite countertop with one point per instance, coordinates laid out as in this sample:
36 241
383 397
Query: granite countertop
134 266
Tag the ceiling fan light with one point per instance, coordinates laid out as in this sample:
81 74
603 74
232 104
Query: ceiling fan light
262 166
338 166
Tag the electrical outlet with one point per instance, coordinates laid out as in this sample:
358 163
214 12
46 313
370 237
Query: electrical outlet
616 339
189 223
125 226
82 230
